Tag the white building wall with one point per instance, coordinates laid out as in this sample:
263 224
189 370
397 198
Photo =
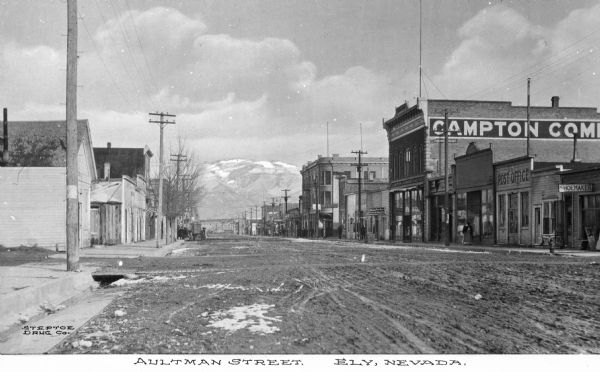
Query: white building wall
32 207
84 186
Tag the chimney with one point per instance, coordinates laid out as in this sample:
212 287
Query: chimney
107 163
554 101
4 159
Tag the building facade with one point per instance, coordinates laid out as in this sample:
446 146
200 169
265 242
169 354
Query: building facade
513 199
418 158
320 184
474 196
374 206
121 201
580 193
33 188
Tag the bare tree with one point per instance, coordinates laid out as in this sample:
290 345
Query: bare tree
182 183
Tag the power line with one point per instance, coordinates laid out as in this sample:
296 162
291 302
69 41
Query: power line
112 78
137 34
129 50
119 56
530 70
435 86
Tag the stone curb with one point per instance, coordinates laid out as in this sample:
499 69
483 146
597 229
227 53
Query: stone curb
27 301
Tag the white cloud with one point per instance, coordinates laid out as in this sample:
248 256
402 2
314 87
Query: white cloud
500 48
495 43
31 75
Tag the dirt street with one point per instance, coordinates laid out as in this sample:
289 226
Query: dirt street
243 295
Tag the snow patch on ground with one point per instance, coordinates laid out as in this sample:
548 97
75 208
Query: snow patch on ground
124 281
240 247
224 286
457 251
302 240
253 317
278 288
181 250
165 278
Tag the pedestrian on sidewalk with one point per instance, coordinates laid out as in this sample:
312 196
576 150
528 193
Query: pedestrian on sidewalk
467 233
340 229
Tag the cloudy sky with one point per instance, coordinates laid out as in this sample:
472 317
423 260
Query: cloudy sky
260 79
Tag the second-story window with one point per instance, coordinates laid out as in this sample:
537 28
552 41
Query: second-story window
407 159
325 178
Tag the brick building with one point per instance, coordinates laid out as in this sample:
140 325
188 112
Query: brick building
374 206
320 182
416 152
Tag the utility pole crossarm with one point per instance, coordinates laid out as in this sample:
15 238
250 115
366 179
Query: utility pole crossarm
165 114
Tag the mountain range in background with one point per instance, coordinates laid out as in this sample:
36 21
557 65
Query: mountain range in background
233 186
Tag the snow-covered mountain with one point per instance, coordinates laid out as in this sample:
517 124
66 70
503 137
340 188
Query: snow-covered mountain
232 186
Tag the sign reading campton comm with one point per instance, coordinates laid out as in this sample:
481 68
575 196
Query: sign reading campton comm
515 128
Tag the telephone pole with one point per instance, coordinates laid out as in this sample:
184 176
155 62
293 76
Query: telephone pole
72 228
446 184
528 119
273 215
4 159
250 224
285 198
359 166
162 122
264 218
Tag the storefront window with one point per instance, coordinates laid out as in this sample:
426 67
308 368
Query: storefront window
502 211
591 217
416 199
398 213
549 224
461 210
525 209
487 213
474 213
398 201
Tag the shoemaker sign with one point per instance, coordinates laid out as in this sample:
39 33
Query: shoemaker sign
582 187
515 128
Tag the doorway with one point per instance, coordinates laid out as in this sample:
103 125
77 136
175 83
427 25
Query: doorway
537 226
406 223
513 218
